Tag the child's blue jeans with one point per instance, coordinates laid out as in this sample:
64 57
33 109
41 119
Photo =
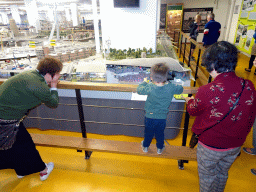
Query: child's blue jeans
154 127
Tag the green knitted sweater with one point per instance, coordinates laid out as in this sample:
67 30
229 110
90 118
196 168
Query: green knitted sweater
159 98
25 91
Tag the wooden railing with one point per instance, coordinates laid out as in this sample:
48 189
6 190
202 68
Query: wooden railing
77 86
184 45
105 86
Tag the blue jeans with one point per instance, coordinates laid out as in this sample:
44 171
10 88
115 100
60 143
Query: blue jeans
154 127
213 167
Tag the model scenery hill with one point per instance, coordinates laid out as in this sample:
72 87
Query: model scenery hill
115 54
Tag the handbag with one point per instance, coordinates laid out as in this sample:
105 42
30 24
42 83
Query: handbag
194 138
8 132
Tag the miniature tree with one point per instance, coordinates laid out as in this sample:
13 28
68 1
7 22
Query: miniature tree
150 50
129 51
137 54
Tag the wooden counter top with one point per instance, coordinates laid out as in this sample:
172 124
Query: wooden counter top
106 86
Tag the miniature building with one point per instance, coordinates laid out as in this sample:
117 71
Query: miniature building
14 28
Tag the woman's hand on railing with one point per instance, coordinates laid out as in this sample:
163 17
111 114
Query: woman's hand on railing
187 98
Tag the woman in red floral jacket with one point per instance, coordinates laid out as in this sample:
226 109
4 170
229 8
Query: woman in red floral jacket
219 146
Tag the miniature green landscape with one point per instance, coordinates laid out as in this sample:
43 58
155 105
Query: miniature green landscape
132 53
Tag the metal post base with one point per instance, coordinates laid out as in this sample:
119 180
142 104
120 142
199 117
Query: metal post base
88 154
181 164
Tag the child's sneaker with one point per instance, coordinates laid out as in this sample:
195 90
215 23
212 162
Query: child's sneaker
145 149
44 176
160 151
20 176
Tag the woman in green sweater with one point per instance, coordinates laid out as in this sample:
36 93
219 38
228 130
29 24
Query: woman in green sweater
18 95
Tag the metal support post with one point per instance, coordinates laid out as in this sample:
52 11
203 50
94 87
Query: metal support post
197 66
189 57
174 40
210 79
180 45
174 32
184 53
81 117
184 138
178 42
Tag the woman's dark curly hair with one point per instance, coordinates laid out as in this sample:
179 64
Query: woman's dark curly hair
49 65
221 56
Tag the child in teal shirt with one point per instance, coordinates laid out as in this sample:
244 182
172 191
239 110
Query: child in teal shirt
160 94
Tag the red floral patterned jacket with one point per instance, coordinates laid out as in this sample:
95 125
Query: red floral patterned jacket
213 101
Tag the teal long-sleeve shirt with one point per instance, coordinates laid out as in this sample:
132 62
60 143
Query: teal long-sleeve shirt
159 98
24 92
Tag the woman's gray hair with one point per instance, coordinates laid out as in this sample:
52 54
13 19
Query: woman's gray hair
211 15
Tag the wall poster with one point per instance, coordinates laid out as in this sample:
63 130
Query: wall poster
189 17
246 26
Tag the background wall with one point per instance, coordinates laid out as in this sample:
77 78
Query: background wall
88 16
129 27
220 9
243 36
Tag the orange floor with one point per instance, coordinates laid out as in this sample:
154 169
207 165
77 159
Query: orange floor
106 172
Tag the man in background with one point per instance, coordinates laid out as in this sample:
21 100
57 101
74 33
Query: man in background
83 22
211 31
